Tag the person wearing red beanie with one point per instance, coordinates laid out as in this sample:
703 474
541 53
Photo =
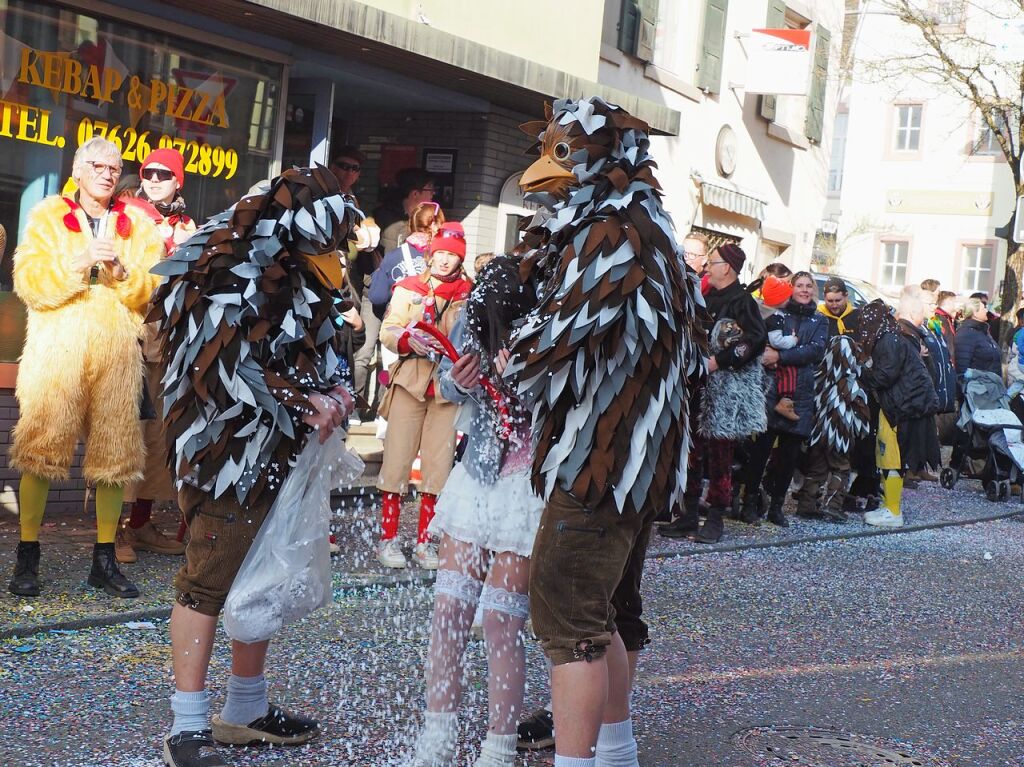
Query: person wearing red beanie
419 418
163 176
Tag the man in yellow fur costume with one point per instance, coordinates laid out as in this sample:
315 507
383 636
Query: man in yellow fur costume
82 270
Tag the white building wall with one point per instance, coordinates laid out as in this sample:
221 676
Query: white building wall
936 199
774 162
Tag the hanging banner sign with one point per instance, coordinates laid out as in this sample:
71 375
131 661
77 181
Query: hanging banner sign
778 61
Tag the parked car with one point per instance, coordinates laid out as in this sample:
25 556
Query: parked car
860 292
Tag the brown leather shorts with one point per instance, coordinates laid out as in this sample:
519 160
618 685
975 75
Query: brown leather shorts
221 532
585 578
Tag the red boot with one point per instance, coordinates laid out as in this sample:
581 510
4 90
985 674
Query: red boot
389 552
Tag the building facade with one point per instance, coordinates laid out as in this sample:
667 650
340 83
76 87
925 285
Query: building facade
917 184
246 87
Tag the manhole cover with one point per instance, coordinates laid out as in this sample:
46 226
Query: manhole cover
815 747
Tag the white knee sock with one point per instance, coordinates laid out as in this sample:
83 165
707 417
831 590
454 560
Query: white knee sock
247 700
191 711
572 761
435 746
616 746
497 751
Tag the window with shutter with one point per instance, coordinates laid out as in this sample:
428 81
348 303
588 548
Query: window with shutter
776 20
709 70
629 26
648 27
819 80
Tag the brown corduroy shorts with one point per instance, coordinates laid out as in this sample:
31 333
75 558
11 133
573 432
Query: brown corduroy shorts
585 578
221 531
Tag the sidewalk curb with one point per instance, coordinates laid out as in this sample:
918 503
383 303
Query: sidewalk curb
348 585
868 533
357 583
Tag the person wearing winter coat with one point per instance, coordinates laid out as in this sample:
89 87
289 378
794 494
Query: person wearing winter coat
942 320
811 329
918 436
731 405
895 373
837 309
975 347
940 358
408 259
82 271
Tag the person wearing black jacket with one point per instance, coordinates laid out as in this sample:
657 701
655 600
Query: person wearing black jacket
898 378
724 298
975 347
917 435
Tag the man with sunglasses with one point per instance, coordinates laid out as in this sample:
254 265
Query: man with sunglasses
82 271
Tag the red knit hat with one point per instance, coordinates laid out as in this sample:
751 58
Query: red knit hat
450 237
775 292
170 159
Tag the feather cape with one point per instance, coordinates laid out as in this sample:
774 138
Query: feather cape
605 359
840 402
248 333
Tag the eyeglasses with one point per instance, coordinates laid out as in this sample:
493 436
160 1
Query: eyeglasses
434 205
101 168
348 166
157 174
431 189
716 263
691 254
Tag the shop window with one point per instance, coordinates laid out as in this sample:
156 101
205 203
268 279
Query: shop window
77 75
907 137
978 263
893 271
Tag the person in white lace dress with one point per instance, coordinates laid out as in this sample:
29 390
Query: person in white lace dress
487 518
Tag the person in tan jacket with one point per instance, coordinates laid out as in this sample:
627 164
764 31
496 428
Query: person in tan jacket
419 418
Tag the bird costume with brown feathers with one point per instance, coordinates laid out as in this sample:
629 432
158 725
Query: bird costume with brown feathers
605 359
248 330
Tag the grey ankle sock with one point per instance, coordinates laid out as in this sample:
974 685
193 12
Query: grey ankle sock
247 700
191 711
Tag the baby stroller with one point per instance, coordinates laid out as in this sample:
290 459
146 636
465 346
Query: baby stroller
990 432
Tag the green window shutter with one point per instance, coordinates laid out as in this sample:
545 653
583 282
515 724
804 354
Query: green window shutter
629 26
819 79
776 20
648 26
709 71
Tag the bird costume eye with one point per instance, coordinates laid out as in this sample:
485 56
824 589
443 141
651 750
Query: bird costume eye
561 151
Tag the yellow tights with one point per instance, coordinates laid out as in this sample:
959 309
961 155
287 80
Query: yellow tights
32 504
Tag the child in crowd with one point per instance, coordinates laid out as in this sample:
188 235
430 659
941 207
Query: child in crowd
774 295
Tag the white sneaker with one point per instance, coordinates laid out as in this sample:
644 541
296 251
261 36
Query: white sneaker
883 518
425 556
389 554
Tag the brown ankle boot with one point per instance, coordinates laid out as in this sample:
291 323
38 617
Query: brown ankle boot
786 410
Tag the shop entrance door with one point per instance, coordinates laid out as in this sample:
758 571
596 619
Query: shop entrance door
307 132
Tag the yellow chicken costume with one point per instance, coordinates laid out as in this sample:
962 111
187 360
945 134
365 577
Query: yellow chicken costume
81 369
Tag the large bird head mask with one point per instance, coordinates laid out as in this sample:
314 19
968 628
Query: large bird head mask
310 218
579 141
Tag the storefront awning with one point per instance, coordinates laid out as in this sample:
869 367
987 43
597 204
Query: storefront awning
363 33
733 200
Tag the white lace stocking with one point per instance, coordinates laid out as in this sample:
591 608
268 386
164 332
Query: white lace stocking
455 598
505 614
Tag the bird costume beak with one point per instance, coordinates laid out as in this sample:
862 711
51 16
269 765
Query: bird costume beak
546 175
327 268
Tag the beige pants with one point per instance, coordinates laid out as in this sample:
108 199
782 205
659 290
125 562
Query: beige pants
424 427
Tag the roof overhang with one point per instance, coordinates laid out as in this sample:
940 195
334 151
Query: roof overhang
360 32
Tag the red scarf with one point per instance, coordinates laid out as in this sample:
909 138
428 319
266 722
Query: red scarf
122 224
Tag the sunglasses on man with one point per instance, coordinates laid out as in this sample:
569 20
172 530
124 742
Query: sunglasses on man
348 166
157 174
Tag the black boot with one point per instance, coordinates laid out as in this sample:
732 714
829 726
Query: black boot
751 511
105 575
25 582
711 530
776 515
685 524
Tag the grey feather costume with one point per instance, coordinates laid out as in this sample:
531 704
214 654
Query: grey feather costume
732 405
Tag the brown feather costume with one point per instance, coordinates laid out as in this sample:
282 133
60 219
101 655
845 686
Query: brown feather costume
247 319
605 359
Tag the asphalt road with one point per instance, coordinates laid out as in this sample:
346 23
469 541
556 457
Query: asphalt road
902 650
